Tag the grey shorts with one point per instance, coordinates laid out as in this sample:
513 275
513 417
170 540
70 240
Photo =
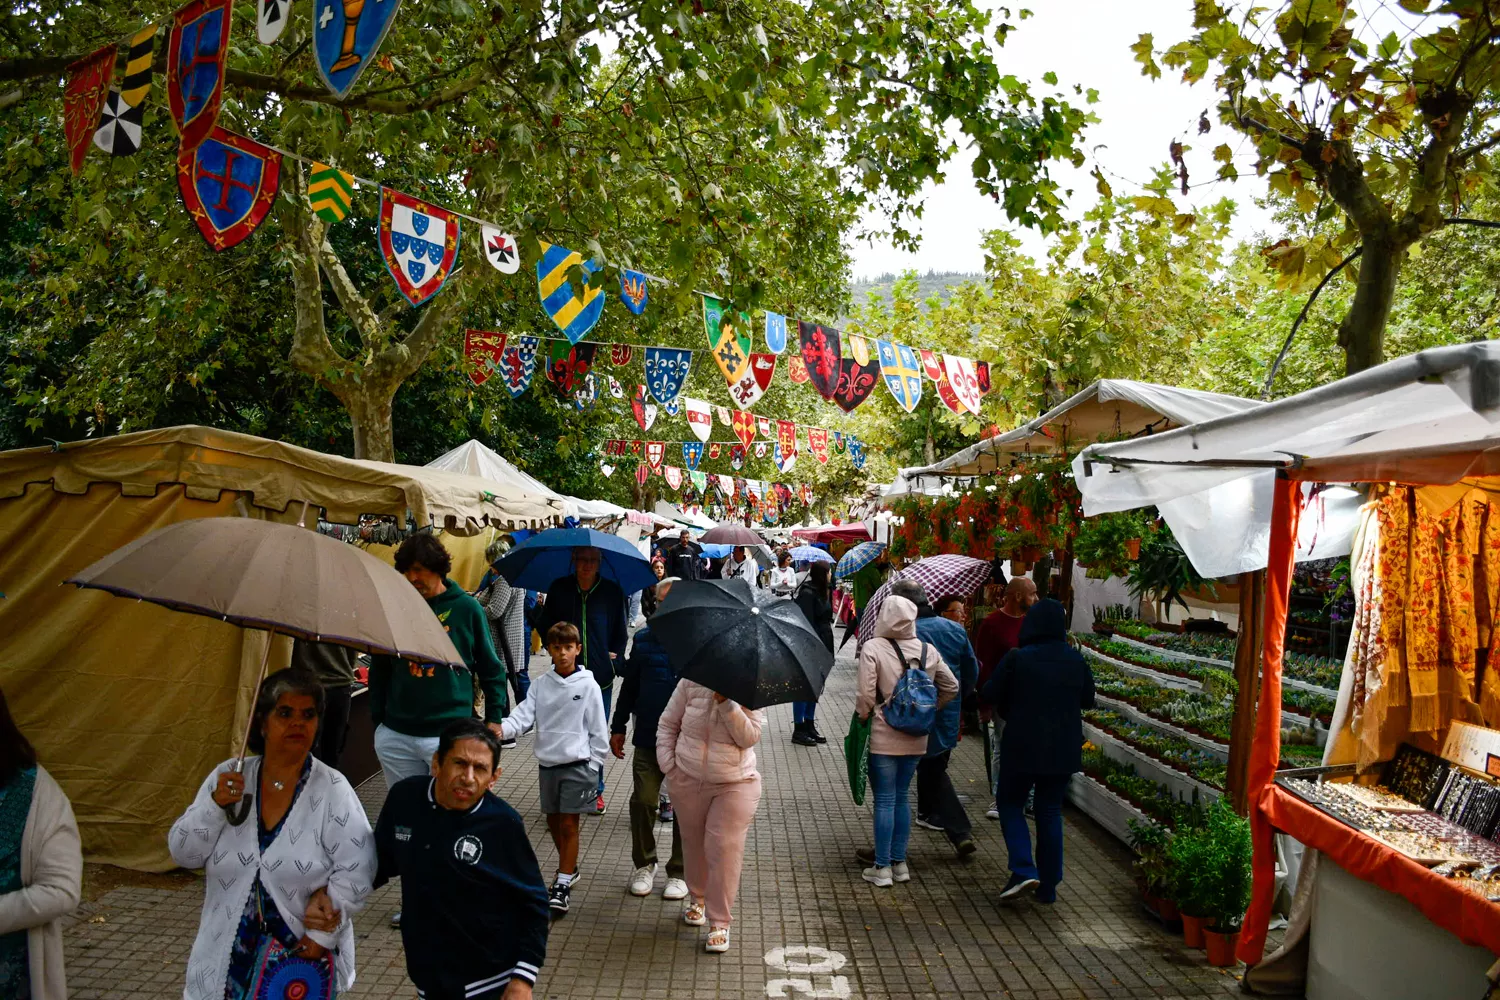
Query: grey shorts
569 788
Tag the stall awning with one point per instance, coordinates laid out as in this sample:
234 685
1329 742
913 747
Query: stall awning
833 533
1108 408
207 461
476 459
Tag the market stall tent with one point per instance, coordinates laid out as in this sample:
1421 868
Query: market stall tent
474 458
129 705
1431 420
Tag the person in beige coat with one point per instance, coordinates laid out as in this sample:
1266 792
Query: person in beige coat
705 745
894 755
41 870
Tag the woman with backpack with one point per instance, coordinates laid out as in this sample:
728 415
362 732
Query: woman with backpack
903 682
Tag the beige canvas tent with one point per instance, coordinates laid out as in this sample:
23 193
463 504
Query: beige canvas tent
130 704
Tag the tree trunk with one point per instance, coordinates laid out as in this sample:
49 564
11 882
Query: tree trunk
929 447
1362 332
370 416
1247 692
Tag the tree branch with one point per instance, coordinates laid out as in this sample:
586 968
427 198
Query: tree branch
311 352
371 331
1463 155
1265 393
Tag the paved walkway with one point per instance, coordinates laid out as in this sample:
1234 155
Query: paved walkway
941 935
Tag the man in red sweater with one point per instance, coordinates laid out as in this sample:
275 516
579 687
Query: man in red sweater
997 635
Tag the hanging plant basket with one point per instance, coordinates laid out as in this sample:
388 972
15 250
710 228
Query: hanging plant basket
1133 548
1019 567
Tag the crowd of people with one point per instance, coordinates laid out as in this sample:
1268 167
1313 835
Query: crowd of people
290 855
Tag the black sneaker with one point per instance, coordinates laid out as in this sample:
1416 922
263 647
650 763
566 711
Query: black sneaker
865 855
802 735
1017 885
557 899
965 848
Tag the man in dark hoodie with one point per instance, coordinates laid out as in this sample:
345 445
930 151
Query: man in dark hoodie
646 685
1040 689
411 703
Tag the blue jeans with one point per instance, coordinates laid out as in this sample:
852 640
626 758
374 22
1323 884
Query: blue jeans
1050 790
633 611
890 778
802 711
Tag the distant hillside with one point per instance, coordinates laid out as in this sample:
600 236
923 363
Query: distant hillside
930 284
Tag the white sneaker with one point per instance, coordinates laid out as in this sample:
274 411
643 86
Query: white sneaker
900 872
992 813
878 876
675 888
641 881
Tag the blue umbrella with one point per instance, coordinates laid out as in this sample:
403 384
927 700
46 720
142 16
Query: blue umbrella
715 551
810 554
548 555
858 558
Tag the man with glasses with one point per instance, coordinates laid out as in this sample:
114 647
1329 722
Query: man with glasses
596 607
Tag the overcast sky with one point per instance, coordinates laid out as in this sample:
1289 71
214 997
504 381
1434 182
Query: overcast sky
1085 42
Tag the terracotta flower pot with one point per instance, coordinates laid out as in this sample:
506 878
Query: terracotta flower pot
1220 947
1168 910
1019 567
1133 549
1192 930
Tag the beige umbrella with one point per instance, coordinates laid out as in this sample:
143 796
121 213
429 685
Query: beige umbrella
278 577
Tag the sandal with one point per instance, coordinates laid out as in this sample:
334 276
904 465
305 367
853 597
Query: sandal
693 914
718 940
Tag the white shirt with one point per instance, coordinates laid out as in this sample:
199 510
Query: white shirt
783 580
747 569
568 715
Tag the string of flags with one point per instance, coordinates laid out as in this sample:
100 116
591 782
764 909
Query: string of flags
228 183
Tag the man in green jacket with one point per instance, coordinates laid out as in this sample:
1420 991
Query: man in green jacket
412 703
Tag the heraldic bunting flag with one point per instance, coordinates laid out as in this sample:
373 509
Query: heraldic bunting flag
700 420
667 371
902 371
820 352
483 351
817 443
500 249
754 383
228 183
517 362
744 427
120 120
83 99
642 408
346 35
692 453
729 339
574 310
775 332
567 366
331 192
856 381
619 354
634 291
419 242
270 20
195 67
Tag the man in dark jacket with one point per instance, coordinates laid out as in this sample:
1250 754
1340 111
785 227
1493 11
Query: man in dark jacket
646 685
596 607
1040 689
685 559
475 903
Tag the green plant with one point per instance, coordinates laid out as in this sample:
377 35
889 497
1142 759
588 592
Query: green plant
1164 572
1150 841
1102 542
1114 613
1187 860
1224 885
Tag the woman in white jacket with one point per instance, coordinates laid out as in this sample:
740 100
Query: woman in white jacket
288 878
41 870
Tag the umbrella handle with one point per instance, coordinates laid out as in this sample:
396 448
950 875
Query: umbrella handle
240 811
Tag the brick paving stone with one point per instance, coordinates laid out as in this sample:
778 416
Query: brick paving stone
940 935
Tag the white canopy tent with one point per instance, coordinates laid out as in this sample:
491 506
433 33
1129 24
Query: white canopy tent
1360 429
696 520
475 459
1109 408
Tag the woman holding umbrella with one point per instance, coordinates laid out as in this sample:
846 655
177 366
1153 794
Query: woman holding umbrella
815 598
272 894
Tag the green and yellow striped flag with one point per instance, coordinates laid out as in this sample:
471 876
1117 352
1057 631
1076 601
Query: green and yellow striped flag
331 191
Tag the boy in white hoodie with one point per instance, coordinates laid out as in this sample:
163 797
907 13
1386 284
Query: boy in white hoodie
572 740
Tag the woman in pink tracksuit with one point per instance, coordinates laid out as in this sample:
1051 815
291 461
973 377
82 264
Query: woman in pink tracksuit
705 745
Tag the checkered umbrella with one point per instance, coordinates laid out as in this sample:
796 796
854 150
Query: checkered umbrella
940 576
858 558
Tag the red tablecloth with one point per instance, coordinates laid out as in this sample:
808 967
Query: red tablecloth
1472 919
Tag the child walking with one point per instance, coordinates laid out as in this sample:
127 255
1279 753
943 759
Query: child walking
567 710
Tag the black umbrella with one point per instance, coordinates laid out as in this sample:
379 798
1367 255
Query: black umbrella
754 652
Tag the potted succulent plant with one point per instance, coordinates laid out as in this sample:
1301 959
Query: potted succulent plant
1226 884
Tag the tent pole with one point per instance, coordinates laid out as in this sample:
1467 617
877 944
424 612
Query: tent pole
1247 686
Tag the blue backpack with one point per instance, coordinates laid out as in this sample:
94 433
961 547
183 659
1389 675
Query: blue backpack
912 708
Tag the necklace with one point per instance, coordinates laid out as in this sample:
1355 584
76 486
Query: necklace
277 785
